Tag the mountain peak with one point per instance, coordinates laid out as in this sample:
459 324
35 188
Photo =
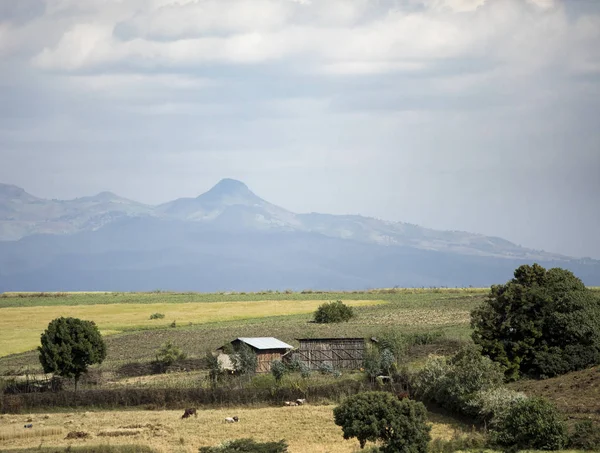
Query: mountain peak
229 188
228 185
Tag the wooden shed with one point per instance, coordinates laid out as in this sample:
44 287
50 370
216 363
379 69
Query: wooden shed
267 349
339 353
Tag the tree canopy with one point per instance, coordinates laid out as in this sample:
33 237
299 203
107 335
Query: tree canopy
401 425
69 346
541 323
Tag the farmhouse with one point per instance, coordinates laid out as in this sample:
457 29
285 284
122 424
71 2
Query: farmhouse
267 349
339 353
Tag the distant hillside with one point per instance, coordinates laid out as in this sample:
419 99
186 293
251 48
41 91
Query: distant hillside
231 239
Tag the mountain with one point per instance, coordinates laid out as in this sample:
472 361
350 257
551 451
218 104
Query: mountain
231 239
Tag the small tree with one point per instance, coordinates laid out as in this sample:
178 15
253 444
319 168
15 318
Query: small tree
215 370
69 346
278 370
401 425
168 354
333 312
532 423
244 360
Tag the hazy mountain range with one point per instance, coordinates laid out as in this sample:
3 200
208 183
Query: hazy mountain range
230 239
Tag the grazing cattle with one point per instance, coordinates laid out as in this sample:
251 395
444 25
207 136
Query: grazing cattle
188 412
300 401
232 419
290 403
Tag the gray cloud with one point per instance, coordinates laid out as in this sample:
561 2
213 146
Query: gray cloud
456 114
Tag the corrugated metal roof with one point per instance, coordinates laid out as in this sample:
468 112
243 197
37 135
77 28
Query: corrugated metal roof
265 342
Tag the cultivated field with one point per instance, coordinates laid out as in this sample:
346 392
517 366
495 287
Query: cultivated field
306 428
20 327
219 318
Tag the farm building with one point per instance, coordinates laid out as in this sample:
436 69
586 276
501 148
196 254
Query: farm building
267 349
339 353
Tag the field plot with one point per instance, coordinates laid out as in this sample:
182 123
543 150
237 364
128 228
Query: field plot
20 327
306 428
282 315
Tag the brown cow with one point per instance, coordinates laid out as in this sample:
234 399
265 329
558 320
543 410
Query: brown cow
188 412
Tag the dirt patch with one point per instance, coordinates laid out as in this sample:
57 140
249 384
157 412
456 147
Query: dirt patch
77 435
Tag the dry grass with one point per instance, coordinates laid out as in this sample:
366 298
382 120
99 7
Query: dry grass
20 327
21 433
306 428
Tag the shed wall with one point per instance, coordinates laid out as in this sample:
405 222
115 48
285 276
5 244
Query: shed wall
339 353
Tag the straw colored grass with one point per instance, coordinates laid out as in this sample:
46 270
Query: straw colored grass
20 327
306 429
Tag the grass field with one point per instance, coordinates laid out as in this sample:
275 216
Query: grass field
214 320
306 428
20 327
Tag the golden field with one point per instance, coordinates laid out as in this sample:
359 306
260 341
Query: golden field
305 428
20 327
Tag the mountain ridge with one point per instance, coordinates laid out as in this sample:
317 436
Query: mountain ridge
231 204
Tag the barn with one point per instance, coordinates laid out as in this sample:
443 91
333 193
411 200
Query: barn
339 353
267 349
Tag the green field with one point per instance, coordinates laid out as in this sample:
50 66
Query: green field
206 321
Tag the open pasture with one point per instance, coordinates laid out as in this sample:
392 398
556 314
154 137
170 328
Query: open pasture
20 327
306 428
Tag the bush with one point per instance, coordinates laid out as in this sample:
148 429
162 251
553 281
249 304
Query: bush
454 383
542 323
215 370
493 404
157 316
401 425
333 312
533 424
247 446
168 354
585 436
244 360
278 370
459 442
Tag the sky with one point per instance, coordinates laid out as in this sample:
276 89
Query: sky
471 115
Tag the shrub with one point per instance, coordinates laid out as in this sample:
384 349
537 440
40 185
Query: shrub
157 316
541 323
244 360
247 446
215 370
459 442
278 370
168 354
379 416
585 436
69 346
532 423
493 404
454 383
300 366
333 312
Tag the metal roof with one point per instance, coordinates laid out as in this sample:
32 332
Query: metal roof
265 342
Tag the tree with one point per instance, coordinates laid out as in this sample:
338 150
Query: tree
541 323
278 370
401 425
215 370
532 423
69 346
168 354
333 312
244 360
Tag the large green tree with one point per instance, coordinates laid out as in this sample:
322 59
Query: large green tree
541 323
69 346
401 425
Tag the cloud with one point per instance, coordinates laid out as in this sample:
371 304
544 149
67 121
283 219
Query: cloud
459 114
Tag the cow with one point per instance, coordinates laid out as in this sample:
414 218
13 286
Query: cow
188 412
